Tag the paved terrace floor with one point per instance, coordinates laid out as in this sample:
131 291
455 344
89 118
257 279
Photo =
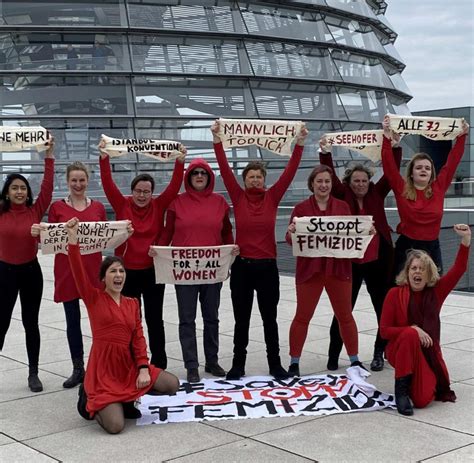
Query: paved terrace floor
45 427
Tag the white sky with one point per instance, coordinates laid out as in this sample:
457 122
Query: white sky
436 42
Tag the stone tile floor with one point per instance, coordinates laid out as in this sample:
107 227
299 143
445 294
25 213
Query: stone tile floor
46 427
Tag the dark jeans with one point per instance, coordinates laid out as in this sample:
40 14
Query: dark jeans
140 283
26 280
209 297
247 276
73 328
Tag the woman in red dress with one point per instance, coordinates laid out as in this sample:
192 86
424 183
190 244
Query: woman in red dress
118 371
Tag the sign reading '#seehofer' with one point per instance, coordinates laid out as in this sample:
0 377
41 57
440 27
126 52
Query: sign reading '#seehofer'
332 236
92 236
367 142
20 138
275 136
192 266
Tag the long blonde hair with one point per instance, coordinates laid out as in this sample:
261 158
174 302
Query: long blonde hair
426 261
410 190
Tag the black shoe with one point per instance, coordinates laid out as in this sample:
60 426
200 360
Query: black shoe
34 383
82 402
77 376
214 369
402 399
278 372
333 363
193 375
294 369
377 361
130 412
358 364
235 373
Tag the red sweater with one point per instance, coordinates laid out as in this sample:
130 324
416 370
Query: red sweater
421 219
17 246
147 221
395 313
64 286
255 209
197 218
306 267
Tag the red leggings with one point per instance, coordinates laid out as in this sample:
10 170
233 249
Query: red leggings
307 297
406 356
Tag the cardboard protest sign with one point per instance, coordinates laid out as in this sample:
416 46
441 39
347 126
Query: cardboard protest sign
92 236
20 138
366 142
275 136
434 128
332 236
162 150
192 266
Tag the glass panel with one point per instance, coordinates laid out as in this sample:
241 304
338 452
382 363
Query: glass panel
64 13
399 83
207 16
397 105
392 51
193 97
291 60
188 55
352 6
363 105
60 51
65 95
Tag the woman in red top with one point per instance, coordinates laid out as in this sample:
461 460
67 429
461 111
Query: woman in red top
313 274
20 272
147 215
118 371
198 217
255 210
411 323
420 197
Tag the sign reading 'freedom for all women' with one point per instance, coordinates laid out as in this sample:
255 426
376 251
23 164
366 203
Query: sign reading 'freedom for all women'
332 236
192 266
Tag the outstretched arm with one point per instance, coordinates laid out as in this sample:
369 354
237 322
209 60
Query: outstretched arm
46 191
325 158
390 170
114 195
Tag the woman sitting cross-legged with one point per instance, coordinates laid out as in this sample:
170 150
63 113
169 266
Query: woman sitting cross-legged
410 321
118 371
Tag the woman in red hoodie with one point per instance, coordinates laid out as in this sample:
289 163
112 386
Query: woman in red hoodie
147 214
198 217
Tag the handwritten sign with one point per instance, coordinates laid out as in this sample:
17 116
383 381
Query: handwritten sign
434 128
332 236
366 142
20 138
192 266
92 236
275 136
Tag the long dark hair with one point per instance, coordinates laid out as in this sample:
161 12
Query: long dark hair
106 263
5 201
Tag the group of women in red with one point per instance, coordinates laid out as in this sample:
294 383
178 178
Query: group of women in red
119 371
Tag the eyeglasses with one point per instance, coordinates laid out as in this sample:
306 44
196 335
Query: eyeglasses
195 173
142 192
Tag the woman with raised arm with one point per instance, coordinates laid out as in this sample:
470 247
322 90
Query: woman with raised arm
365 197
20 272
118 371
420 197
411 324
255 210
147 215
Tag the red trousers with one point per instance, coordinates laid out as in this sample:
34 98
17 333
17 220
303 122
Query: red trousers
307 297
405 355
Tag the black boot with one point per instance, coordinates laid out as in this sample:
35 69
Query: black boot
82 402
130 412
333 363
402 399
294 369
377 361
77 376
276 370
34 382
237 370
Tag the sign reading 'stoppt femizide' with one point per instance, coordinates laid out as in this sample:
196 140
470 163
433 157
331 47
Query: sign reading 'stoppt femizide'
435 128
332 236
21 138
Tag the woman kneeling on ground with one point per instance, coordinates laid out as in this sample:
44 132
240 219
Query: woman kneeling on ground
118 371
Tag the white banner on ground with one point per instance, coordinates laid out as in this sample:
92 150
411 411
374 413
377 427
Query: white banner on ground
92 236
162 150
366 142
192 266
21 138
434 128
343 237
262 396
275 136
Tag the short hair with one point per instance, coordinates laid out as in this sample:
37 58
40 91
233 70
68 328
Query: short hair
77 165
143 178
106 263
254 165
410 190
5 201
318 170
427 262
357 168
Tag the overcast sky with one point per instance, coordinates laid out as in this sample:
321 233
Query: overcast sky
436 42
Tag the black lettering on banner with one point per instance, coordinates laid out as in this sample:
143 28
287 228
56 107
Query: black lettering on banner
163 412
270 406
314 407
199 412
